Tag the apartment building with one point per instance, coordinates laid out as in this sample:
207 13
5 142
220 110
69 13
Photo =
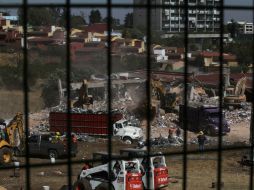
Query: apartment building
246 27
171 19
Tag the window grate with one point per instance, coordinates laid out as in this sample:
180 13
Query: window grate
149 6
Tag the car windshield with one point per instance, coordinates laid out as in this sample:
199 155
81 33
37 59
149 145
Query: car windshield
125 123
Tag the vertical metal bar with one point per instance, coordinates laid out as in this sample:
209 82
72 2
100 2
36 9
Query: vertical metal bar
110 131
68 79
25 89
185 114
148 49
221 84
252 113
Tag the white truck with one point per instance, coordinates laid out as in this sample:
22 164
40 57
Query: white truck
126 132
125 175
95 124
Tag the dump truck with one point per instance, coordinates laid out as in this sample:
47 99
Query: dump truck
95 124
123 175
203 118
11 138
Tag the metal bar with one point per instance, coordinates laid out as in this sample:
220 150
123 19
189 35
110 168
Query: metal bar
252 117
185 122
26 98
68 87
109 62
221 84
148 76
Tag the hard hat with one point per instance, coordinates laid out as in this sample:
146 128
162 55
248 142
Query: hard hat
57 133
200 133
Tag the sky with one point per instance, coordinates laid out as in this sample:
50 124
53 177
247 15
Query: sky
120 13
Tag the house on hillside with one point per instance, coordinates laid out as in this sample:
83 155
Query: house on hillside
211 60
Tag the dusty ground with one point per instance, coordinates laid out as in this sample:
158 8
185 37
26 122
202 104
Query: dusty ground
201 170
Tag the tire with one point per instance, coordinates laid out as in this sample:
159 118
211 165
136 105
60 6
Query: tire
5 155
82 184
104 186
52 154
127 140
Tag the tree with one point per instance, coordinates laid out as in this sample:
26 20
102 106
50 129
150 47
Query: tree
128 20
77 21
95 16
233 28
114 21
44 16
132 33
50 93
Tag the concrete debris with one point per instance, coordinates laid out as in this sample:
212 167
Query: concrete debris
58 172
239 115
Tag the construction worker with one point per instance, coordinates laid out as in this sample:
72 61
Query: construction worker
201 141
57 137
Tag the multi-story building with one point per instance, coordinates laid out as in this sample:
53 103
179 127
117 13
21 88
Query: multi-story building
246 27
171 19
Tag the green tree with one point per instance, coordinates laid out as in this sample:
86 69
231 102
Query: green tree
114 22
128 20
44 16
95 16
233 28
77 21
50 93
132 33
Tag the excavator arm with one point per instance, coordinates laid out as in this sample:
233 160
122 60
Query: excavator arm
15 131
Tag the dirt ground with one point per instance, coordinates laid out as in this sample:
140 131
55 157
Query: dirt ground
201 169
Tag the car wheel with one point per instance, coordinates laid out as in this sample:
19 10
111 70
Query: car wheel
53 154
5 155
127 140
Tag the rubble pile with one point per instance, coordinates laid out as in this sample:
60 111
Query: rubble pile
38 122
238 115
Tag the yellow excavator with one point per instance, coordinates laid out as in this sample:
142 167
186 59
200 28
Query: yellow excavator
11 138
235 95
168 99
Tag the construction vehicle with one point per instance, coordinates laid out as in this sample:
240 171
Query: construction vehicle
235 95
123 175
95 124
156 171
203 118
12 138
84 99
168 97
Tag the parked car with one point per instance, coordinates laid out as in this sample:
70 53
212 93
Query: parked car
47 145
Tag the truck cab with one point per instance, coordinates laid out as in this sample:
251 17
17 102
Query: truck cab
204 118
126 132
125 175
157 168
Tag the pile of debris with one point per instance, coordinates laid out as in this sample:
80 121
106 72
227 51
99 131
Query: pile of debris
238 115
38 122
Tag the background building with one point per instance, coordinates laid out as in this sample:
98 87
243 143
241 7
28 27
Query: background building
171 20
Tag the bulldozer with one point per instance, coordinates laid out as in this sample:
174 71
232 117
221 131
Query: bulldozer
11 138
235 95
168 98
84 99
